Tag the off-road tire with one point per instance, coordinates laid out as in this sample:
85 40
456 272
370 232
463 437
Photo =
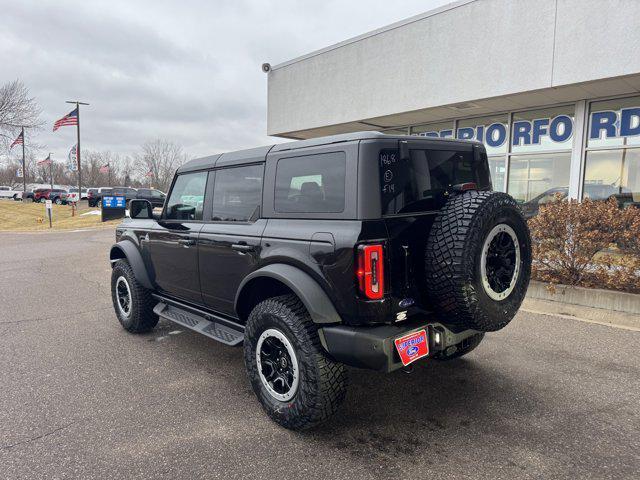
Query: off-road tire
453 254
468 345
141 317
322 382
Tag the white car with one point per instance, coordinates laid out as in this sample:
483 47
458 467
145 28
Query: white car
8 192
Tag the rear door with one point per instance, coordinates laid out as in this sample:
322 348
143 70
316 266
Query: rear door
413 190
229 242
172 244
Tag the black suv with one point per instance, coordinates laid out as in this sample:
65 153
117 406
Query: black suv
362 249
127 192
156 197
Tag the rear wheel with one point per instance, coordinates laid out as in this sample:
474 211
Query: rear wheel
132 302
296 383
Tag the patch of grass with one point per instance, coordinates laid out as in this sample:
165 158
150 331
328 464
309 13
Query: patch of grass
19 217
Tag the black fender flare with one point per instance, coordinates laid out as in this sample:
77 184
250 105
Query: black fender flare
315 300
130 252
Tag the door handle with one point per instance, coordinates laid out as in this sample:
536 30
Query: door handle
240 247
187 242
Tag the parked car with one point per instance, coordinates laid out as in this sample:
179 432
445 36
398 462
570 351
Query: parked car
35 194
127 192
362 249
8 192
156 197
94 195
72 195
591 191
56 195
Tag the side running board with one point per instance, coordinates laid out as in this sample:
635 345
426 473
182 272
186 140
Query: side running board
213 327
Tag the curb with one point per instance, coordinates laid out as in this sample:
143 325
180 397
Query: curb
604 307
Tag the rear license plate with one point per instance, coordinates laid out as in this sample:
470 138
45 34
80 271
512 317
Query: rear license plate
413 346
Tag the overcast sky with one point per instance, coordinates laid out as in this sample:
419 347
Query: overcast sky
188 71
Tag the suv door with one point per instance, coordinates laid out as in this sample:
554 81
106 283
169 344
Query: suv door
172 244
229 243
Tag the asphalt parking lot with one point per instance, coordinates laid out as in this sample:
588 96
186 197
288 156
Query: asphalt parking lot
80 398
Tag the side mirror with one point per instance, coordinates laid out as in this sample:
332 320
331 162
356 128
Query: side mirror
140 209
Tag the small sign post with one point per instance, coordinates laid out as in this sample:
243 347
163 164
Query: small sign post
48 205
113 208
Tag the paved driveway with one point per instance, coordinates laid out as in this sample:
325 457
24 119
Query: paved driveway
81 398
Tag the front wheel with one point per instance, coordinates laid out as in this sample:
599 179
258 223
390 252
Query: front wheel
296 383
132 302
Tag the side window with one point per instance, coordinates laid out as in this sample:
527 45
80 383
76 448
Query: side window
237 193
187 197
311 184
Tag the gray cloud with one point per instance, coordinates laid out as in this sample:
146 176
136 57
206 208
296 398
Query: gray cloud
186 71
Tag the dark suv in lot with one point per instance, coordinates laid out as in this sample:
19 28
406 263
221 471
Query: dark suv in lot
362 249
155 197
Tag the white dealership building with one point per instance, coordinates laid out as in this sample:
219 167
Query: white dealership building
552 87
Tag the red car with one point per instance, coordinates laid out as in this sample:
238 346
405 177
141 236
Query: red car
56 195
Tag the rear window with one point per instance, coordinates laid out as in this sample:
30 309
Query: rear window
311 183
422 182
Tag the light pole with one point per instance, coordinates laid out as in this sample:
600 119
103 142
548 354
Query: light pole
77 103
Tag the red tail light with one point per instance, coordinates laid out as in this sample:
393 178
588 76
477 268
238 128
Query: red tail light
370 271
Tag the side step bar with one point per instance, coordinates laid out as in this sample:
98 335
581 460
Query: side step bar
207 324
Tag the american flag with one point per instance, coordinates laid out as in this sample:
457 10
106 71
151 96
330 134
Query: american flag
70 118
18 141
104 168
46 161
149 174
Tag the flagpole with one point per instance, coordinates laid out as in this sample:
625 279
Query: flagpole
51 170
78 148
24 171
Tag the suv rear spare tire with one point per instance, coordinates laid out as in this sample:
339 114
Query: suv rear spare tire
478 261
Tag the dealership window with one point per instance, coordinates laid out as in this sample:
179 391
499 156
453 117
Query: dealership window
543 130
540 158
493 131
531 176
441 129
614 123
612 168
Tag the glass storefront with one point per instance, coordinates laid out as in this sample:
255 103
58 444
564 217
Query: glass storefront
530 151
532 176
613 173
612 163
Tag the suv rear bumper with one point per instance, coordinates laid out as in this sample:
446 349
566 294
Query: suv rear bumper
374 348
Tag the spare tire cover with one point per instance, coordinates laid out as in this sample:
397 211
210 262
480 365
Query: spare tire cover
478 261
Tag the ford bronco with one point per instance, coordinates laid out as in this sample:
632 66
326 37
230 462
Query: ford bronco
363 249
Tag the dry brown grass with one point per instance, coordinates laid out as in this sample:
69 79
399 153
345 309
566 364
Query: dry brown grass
18 217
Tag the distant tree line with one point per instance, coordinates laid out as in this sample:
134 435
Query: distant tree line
153 164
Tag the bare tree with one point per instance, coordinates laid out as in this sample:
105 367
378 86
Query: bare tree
17 109
161 158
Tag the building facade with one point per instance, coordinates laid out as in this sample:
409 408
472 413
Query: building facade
552 88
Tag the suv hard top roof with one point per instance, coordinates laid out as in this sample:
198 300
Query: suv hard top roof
258 154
